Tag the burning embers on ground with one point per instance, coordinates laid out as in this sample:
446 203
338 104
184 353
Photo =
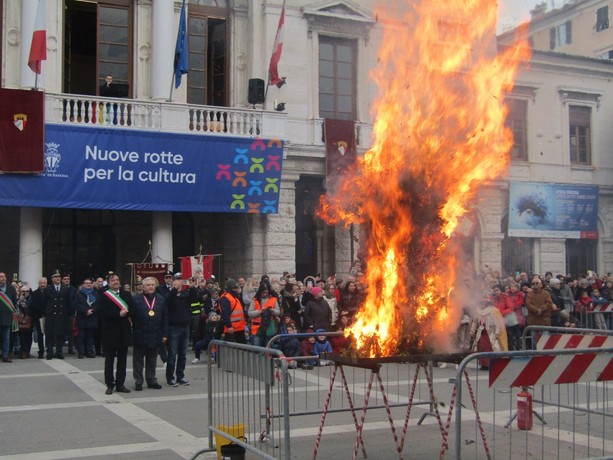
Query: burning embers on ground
439 137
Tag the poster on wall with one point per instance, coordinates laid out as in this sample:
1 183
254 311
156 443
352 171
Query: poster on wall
104 168
553 210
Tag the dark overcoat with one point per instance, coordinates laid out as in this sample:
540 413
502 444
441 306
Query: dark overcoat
116 329
148 330
84 321
58 309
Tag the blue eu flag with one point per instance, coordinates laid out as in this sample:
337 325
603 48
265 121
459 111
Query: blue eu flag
180 65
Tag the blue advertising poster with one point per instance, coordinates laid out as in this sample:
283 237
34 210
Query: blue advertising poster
553 210
93 168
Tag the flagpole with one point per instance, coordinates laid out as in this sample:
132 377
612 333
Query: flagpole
181 53
171 86
273 50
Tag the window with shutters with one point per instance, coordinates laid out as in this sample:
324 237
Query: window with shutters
516 122
579 118
560 35
207 31
602 18
337 78
97 42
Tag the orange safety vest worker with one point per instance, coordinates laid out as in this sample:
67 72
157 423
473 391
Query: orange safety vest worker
255 322
237 316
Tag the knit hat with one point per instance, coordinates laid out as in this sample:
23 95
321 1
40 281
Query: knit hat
316 290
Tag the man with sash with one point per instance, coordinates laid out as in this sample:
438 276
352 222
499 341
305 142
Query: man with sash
150 330
8 315
115 305
58 309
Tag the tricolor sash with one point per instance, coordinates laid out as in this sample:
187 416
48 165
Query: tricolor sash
8 303
121 304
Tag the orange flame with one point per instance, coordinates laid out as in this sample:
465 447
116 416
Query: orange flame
439 136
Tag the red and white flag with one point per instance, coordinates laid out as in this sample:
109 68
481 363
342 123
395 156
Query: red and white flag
273 71
38 48
196 266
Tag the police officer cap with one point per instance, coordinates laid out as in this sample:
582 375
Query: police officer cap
56 273
231 283
167 273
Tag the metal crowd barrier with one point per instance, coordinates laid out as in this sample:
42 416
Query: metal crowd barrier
315 379
572 407
246 385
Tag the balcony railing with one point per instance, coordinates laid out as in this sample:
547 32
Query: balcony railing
162 116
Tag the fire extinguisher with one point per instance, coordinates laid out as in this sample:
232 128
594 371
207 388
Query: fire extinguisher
524 410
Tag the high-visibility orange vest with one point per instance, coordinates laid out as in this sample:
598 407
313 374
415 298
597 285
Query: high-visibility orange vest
255 322
237 316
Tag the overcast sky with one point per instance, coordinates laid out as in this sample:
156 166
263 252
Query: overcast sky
514 12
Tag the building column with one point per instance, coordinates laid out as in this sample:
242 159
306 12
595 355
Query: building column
163 48
161 238
31 245
28 16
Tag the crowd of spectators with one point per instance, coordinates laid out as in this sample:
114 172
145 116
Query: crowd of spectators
253 310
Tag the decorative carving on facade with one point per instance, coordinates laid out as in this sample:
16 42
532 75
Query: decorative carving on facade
341 17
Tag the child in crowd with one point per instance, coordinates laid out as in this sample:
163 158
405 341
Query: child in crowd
209 333
339 343
307 346
321 346
599 301
290 346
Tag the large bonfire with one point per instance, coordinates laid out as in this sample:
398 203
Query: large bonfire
439 136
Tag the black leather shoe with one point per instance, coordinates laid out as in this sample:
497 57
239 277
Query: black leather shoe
155 386
81 356
59 356
91 355
49 356
109 391
122 389
41 355
138 387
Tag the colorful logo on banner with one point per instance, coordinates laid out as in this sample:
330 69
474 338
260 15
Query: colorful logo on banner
249 175
104 168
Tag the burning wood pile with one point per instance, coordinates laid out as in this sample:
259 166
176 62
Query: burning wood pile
440 136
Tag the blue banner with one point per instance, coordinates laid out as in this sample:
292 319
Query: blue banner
553 210
100 168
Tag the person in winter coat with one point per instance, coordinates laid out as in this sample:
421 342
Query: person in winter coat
179 303
514 303
488 332
317 313
115 305
150 330
539 304
599 301
322 346
87 318
209 332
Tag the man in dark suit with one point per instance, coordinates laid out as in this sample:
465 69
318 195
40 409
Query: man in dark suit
115 305
37 312
58 307
72 295
7 312
165 288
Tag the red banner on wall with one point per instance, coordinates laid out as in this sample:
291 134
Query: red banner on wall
341 151
22 131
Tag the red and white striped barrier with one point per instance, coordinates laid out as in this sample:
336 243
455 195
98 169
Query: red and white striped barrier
602 308
550 370
572 341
